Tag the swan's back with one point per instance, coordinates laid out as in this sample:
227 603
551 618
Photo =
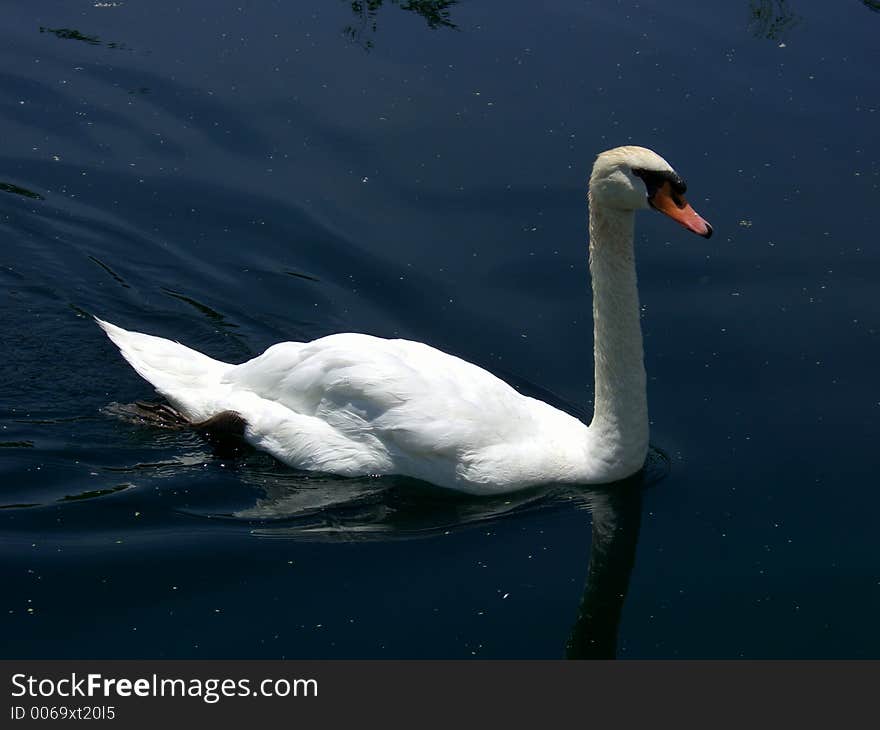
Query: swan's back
418 399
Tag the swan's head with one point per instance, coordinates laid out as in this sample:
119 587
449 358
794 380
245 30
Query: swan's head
632 178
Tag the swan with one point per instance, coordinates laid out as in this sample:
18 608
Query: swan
354 405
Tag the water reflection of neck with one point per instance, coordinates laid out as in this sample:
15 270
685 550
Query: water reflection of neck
617 516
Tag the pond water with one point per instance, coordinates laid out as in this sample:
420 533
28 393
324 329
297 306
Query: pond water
233 174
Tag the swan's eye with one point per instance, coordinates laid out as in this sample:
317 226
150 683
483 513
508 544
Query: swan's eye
654 180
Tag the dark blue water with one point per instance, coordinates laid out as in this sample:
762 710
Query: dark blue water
234 174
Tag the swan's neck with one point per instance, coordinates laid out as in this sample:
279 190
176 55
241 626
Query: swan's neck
620 418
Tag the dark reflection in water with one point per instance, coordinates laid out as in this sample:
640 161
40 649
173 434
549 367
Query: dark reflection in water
18 190
325 509
330 510
72 34
617 517
771 19
436 13
116 277
95 493
213 315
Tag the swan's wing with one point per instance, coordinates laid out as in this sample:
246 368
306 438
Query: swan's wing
414 398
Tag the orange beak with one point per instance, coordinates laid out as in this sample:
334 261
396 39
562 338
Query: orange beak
667 201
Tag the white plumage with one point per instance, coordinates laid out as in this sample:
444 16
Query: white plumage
353 404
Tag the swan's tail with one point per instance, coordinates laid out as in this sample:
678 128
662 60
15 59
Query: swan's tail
188 379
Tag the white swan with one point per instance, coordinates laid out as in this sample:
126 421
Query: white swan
352 404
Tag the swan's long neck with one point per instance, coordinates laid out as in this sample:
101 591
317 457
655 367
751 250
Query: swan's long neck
620 418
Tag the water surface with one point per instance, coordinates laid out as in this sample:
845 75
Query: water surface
237 174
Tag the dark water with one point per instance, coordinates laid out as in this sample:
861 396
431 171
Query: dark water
234 174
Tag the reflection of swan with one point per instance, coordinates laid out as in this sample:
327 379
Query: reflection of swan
315 509
379 510
352 404
617 517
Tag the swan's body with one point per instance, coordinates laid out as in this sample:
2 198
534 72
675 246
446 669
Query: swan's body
352 404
